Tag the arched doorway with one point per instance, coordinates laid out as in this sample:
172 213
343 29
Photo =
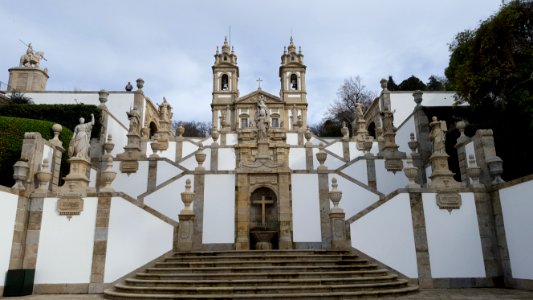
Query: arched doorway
264 219
372 130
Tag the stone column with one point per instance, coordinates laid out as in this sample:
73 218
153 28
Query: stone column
214 150
152 173
421 243
323 189
58 150
199 186
242 241
179 142
462 140
371 171
101 231
184 232
285 212
309 156
337 218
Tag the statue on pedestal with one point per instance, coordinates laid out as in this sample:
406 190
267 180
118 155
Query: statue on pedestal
438 135
31 58
261 119
135 120
80 142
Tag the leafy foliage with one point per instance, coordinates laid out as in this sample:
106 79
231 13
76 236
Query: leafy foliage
66 115
19 98
391 85
11 135
351 92
412 83
494 64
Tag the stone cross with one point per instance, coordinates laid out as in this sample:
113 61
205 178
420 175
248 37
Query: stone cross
263 202
259 80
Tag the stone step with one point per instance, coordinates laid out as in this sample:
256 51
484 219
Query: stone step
289 256
263 289
273 274
263 262
259 281
245 269
333 295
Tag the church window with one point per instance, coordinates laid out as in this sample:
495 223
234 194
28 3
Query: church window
244 122
275 122
294 82
225 58
224 82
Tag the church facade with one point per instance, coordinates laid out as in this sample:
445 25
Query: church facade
263 181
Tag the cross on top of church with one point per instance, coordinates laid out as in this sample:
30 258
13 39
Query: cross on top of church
259 82
263 202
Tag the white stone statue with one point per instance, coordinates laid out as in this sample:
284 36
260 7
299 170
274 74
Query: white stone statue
80 142
31 59
261 119
135 120
438 135
359 111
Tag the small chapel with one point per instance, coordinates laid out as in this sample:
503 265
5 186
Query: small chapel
262 208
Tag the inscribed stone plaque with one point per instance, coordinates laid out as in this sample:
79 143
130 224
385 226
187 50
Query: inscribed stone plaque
70 206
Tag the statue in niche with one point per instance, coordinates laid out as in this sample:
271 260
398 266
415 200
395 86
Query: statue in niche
80 142
135 120
438 135
261 119
31 58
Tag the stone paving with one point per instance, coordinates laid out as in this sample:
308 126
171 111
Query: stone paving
444 294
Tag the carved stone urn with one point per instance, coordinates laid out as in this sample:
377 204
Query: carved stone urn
200 155
109 145
180 129
321 155
214 134
102 96
43 176
411 172
335 196
473 171
20 174
413 144
307 134
187 197
417 96
495 169
108 175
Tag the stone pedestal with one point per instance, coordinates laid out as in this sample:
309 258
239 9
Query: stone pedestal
132 153
338 229
27 79
361 134
442 180
185 230
77 179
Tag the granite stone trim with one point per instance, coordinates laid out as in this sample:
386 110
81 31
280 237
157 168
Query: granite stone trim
501 239
149 264
325 223
179 148
18 244
307 245
371 173
152 175
162 185
198 208
421 242
346 150
489 240
33 232
100 244
214 157
218 247
359 183
61 288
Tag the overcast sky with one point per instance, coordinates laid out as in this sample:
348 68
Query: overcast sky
103 44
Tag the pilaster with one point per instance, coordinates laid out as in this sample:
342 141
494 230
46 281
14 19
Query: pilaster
371 171
152 174
325 222
421 242
243 213
101 230
179 148
309 156
214 157
198 208
285 212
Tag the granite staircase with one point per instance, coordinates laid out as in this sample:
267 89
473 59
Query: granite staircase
274 274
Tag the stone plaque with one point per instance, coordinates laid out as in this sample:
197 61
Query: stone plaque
264 179
70 206
449 201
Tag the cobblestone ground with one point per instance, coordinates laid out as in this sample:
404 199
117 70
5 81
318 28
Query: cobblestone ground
451 294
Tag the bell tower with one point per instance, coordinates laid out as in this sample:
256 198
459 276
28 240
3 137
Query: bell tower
225 87
293 88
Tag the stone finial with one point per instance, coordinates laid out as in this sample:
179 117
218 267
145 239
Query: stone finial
411 172
56 128
200 156
308 135
473 171
187 197
102 96
140 83
413 144
43 176
20 174
181 129
109 145
383 82
335 196
321 156
495 165
345 132
461 125
417 96
108 175
214 134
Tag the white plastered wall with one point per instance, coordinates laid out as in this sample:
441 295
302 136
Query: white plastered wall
354 152
305 208
118 135
188 148
130 230
292 138
165 171
336 148
8 213
66 246
331 161
191 163
388 181
170 153
386 234
403 104
133 184
219 209
354 197
226 159
517 209
358 171
167 199
454 243
403 134
297 160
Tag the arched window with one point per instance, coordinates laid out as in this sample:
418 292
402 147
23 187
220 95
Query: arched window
294 82
372 130
224 82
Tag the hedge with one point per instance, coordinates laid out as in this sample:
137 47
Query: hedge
11 135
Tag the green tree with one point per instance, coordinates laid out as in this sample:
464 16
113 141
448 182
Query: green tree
494 63
19 98
412 84
391 85
436 83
